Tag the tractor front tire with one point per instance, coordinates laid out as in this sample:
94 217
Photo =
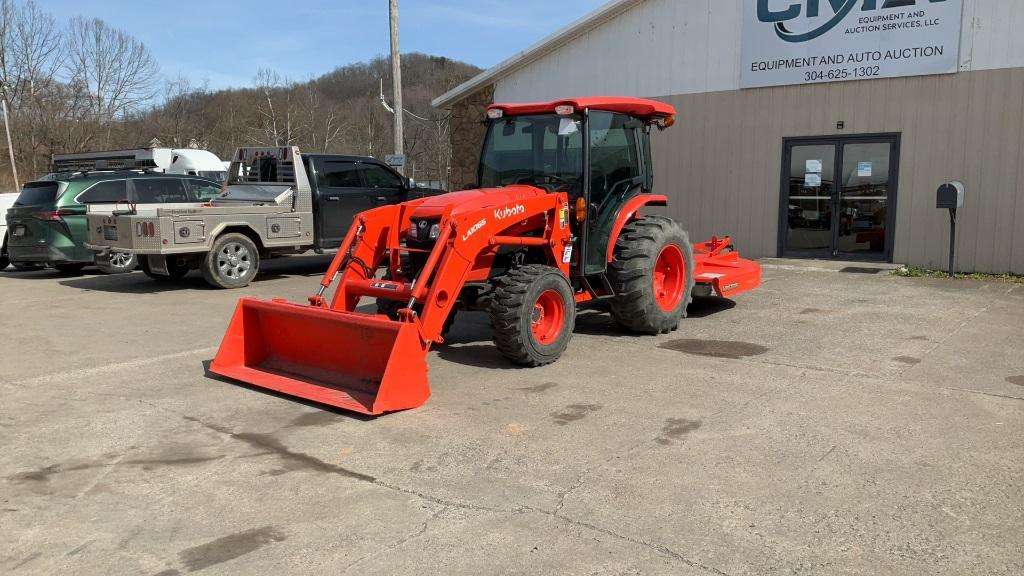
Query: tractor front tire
652 275
533 314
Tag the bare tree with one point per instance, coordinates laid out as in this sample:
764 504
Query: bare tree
115 68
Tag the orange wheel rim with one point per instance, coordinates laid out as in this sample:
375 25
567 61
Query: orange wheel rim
669 277
548 317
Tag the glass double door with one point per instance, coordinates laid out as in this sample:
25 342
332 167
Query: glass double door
838 197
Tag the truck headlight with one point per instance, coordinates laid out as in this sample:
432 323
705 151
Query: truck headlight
435 231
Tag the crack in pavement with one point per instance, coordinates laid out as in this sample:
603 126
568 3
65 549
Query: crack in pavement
275 446
660 548
407 538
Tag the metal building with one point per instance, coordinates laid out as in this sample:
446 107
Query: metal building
806 127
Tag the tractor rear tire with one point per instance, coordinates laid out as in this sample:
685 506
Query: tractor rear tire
533 314
652 275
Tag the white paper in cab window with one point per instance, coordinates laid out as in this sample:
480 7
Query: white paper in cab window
864 169
567 127
812 180
813 167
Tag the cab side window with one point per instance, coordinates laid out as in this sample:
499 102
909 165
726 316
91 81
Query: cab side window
107 192
339 175
160 190
379 177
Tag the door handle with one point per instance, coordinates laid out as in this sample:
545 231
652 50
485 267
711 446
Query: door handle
380 201
333 198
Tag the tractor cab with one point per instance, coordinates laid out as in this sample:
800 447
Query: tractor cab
597 150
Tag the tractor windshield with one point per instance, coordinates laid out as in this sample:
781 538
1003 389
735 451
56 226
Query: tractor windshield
544 150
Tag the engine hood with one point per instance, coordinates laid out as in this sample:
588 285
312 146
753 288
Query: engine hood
472 200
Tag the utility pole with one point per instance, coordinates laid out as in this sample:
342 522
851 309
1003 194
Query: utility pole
10 143
396 83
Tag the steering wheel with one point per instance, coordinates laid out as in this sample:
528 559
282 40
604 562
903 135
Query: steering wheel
541 179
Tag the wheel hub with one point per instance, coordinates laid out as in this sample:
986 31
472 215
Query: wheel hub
547 317
669 277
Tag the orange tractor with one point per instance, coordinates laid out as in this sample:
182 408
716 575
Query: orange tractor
554 224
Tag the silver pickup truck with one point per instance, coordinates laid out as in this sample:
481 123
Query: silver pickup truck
276 201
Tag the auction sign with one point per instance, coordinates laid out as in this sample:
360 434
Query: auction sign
810 41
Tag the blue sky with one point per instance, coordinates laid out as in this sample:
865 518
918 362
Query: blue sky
225 42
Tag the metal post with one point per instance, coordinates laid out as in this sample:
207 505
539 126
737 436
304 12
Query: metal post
952 242
10 143
396 83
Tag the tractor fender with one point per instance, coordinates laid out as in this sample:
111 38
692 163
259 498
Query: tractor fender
629 212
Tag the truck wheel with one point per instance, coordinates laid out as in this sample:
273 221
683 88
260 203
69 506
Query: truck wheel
5 261
27 266
232 263
116 262
175 271
533 314
652 275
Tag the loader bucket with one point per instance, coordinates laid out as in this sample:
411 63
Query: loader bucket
358 362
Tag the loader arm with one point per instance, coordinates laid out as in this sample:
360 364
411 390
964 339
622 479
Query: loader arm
369 363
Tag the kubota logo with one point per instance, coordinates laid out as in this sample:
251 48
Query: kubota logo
840 8
476 228
509 211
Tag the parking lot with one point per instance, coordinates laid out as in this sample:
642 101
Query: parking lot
838 420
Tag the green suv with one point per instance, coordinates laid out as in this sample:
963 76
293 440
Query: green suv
46 226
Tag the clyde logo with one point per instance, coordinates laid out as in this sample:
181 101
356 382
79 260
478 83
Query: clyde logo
840 9
509 211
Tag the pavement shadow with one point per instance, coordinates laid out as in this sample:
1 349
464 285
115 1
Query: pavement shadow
708 306
136 283
295 399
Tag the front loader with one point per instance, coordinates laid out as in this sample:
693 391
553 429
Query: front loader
555 223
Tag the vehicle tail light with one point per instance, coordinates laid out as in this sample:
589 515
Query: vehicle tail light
52 215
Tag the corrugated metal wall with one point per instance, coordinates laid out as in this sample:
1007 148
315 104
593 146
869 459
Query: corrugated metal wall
721 164
663 47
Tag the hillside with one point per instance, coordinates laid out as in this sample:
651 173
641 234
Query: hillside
337 112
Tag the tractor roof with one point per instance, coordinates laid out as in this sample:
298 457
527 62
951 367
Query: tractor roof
638 107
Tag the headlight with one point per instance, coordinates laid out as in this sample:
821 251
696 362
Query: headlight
412 229
435 231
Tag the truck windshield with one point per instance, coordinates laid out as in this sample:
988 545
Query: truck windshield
544 150
217 175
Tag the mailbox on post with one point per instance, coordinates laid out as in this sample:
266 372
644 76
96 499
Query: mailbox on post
951 196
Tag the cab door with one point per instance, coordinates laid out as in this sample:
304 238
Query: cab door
617 174
340 196
383 185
